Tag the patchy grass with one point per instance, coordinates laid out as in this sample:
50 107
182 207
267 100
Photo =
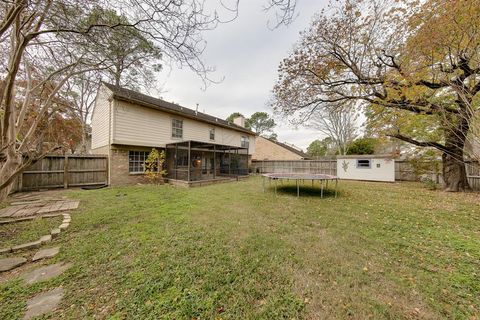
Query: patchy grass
229 251
26 231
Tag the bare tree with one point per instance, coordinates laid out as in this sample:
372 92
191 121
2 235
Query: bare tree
337 122
80 92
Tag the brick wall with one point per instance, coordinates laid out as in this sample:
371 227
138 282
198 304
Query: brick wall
267 150
119 173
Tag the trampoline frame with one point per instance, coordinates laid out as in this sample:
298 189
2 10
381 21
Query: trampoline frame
323 178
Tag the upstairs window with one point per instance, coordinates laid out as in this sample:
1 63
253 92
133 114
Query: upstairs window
177 128
212 134
244 142
363 164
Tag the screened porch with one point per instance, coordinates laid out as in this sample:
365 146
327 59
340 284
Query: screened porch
199 161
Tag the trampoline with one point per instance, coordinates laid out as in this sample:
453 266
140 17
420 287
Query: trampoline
323 178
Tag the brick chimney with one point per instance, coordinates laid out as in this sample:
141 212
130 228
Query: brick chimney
239 121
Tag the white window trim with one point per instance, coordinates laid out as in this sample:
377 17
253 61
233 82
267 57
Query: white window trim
364 167
171 129
209 134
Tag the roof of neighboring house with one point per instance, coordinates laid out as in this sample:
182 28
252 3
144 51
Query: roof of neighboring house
128 95
289 148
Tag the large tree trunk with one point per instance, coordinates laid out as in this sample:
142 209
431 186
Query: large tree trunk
8 172
454 173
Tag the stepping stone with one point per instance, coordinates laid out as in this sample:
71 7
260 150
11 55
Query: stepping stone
55 232
45 273
63 226
28 245
46 238
5 250
46 253
11 263
43 303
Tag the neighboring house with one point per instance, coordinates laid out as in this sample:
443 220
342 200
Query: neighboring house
126 125
267 149
366 167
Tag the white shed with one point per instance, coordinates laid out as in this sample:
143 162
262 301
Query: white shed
366 167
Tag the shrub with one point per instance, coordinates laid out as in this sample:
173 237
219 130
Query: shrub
154 167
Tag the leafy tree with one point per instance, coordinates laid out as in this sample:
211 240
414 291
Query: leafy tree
133 59
362 146
317 148
154 165
234 115
394 57
261 123
273 136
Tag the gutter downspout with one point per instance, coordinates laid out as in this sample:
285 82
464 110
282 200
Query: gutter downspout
110 140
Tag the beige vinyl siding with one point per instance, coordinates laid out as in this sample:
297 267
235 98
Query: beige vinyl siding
100 119
143 126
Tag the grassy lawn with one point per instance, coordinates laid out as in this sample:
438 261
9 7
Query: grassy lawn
26 231
229 251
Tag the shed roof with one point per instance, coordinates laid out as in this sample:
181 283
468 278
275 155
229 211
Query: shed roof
135 97
367 156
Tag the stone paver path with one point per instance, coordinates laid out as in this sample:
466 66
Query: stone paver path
43 303
11 263
28 207
45 273
46 253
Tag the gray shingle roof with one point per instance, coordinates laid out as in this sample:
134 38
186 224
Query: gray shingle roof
128 95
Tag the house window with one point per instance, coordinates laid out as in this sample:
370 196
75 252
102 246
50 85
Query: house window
136 161
177 128
244 142
212 134
363 164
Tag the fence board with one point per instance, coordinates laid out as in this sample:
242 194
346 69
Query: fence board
56 171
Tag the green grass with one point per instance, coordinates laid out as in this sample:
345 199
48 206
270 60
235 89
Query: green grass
26 231
229 251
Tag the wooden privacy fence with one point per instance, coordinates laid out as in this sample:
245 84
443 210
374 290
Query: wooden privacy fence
295 166
473 174
58 171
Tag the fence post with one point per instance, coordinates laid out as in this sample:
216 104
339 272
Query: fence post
65 172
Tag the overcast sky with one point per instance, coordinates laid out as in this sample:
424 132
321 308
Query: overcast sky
247 54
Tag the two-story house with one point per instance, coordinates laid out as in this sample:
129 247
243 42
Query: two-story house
126 125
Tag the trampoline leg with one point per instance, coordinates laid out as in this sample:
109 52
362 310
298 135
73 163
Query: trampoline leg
298 189
336 185
275 187
321 190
